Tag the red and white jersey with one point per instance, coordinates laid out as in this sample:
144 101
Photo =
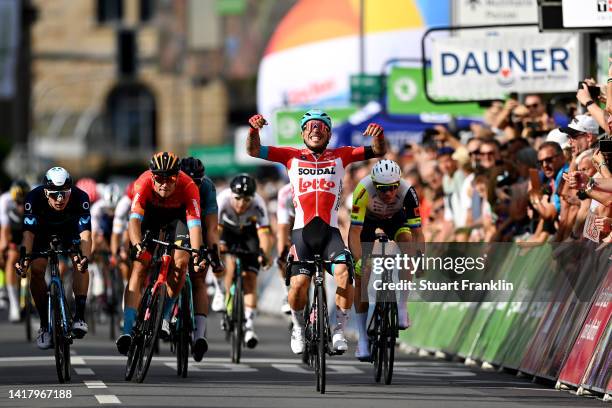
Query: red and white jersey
316 179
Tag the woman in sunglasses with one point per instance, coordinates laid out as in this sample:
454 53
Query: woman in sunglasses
57 208
384 201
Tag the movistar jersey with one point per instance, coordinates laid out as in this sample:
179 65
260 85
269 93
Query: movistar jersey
39 216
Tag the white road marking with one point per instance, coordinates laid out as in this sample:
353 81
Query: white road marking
95 384
84 371
107 399
338 369
291 368
77 360
215 367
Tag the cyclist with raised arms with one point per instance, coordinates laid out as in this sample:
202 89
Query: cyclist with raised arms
56 208
208 200
316 174
244 223
384 201
164 196
11 233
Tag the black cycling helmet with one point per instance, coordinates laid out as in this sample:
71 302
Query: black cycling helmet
244 185
165 164
194 168
57 179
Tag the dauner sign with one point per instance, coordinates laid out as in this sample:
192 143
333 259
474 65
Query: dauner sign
484 68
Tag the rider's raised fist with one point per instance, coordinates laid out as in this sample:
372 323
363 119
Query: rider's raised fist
257 121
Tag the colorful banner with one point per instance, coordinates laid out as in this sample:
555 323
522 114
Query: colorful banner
584 347
490 67
315 49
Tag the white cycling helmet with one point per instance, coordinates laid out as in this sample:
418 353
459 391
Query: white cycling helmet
386 172
111 194
56 179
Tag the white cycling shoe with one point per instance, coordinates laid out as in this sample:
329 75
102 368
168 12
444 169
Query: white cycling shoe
79 329
297 340
339 341
44 340
218 302
250 338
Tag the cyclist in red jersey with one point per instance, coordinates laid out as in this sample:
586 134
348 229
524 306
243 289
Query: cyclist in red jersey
316 174
163 197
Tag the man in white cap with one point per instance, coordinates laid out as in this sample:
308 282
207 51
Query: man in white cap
583 132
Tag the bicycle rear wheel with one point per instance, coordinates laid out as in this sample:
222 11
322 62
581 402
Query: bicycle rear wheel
390 331
323 339
151 329
238 318
58 335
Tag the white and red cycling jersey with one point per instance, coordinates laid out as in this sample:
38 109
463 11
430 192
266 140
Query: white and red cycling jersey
316 179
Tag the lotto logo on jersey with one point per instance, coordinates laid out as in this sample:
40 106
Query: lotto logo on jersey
316 172
315 184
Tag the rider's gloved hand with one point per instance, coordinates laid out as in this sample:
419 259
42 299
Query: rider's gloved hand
141 253
215 260
81 263
374 130
22 266
257 122
281 261
263 259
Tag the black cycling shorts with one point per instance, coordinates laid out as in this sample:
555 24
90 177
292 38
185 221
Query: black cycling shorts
391 226
247 240
317 237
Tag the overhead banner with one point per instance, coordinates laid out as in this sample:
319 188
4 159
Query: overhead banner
495 13
491 67
585 14
9 40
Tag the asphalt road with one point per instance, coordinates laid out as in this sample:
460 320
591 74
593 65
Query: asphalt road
270 376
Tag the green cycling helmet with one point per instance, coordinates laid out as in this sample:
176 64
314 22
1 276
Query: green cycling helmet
315 114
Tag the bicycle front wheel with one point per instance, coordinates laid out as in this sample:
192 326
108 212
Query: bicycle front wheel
378 345
58 335
323 338
134 355
390 330
238 318
151 329
27 308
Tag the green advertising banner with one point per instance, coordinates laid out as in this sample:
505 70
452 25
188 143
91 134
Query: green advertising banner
406 96
286 124
219 161
231 7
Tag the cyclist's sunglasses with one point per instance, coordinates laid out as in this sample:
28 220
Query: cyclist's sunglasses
383 188
311 124
246 199
55 195
161 179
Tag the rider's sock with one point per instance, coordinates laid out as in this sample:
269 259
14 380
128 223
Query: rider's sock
200 321
249 314
403 298
342 317
297 316
80 302
129 316
361 325
13 295
168 308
